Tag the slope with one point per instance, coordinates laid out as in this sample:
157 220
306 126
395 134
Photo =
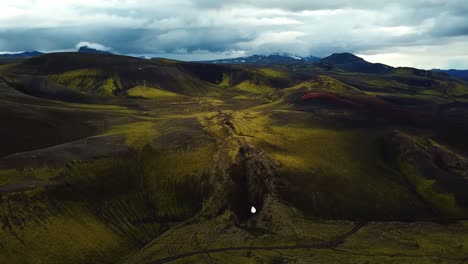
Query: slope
72 75
334 170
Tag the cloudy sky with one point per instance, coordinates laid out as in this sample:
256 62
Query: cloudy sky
418 33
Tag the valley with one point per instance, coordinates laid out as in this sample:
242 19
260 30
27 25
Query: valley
115 159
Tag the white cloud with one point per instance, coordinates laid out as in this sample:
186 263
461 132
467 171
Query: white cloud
397 31
302 27
444 56
96 46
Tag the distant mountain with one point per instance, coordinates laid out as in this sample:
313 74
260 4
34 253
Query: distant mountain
86 49
342 58
26 55
461 74
352 63
339 61
266 60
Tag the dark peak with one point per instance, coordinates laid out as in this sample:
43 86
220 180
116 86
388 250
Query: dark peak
342 58
86 49
352 63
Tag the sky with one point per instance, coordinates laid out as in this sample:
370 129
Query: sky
418 33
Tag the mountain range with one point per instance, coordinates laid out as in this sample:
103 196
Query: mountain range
31 54
26 54
266 60
462 74
345 61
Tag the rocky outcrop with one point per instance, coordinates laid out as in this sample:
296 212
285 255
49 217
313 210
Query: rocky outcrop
242 176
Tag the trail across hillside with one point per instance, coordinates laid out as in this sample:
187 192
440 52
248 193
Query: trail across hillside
323 245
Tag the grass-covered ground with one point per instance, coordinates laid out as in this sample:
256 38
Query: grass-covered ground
150 161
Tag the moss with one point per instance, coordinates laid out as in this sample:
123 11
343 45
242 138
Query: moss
323 168
272 73
335 86
211 125
100 107
64 240
412 239
173 178
323 84
447 90
210 101
241 97
425 95
137 135
9 176
46 173
99 215
251 123
213 94
108 87
4 76
254 88
459 90
443 201
101 210
15 176
82 79
117 83
226 82
268 105
150 93
382 83
90 80
389 242
6 67
326 168
43 229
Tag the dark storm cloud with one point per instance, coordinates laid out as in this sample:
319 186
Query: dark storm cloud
451 26
239 26
209 39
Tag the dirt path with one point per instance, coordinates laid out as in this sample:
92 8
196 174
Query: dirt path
323 245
